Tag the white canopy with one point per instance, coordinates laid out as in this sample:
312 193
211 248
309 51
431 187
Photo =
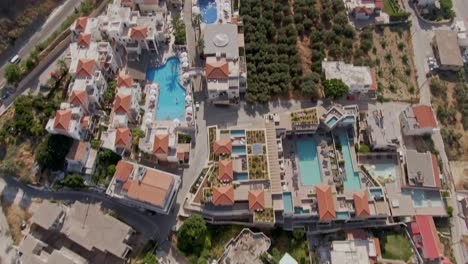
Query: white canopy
185 64
152 98
148 121
183 54
189 109
184 59
152 91
186 75
188 98
195 10
176 121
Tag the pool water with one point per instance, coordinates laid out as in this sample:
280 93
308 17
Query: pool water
238 133
385 170
424 198
352 181
241 176
376 192
332 121
171 98
348 119
309 165
299 210
342 215
239 150
208 11
288 202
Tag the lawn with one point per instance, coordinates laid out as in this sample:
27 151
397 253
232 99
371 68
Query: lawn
390 7
220 236
395 246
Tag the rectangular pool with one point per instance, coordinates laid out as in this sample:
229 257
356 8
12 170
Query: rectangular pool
241 176
424 198
288 203
309 165
238 150
352 181
342 215
375 192
238 133
332 121
299 210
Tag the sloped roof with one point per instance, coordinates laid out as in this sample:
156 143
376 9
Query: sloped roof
122 103
123 170
85 122
223 195
124 81
361 202
161 144
225 171
363 9
84 40
77 150
62 119
138 32
325 202
122 137
78 97
425 227
80 23
222 146
217 70
424 116
153 188
256 200
85 68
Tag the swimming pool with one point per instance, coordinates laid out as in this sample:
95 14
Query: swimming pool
376 192
349 119
352 181
382 170
238 150
342 215
238 133
424 198
208 11
171 98
299 210
309 165
288 202
241 176
332 121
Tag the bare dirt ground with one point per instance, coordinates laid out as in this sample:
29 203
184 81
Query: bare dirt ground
15 215
460 174
303 46
393 54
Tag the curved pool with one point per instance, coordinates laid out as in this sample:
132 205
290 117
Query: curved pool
208 11
171 98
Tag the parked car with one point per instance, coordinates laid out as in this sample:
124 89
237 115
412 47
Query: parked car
433 65
15 60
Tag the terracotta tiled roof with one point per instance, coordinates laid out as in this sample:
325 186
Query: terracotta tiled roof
378 4
153 188
161 144
85 68
84 40
124 81
78 97
123 170
62 119
217 70
77 151
435 168
122 103
361 203
225 172
326 204
223 195
425 228
80 23
138 32
85 122
222 146
424 116
127 185
363 9
256 200
122 137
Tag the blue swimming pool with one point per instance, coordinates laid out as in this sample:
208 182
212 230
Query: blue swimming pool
382 170
332 121
208 11
241 176
238 133
424 198
352 181
288 203
239 150
309 165
376 192
171 98
342 215
349 119
299 210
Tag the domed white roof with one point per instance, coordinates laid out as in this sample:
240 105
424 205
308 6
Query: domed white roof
221 40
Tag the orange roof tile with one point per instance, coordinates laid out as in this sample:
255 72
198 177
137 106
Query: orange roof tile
123 170
85 122
361 203
124 81
122 137
77 151
78 97
424 116
222 146
80 23
84 40
85 68
127 185
62 119
122 103
138 32
153 188
363 9
256 200
161 144
223 195
217 70
225 172
326 204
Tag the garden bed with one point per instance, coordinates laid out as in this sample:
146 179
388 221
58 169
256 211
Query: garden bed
267 216
211 140
255 136
258 167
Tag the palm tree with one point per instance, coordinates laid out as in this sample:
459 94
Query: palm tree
62 67
197 19
200 46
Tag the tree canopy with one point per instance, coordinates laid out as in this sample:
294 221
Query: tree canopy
335 88
191 235
12 73
51 153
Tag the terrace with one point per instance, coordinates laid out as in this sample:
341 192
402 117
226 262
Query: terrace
247 247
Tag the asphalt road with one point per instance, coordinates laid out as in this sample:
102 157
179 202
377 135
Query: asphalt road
23 47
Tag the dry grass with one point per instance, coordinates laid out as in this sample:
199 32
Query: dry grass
15 215
391 72
460 175
303 47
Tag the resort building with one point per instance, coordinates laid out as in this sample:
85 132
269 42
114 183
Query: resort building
144 187
88 91
126 107
359 248
422 169
77 157
225 70
426 239
81 233
383 129
118 140
418 120
70 121
88 28
359 79
161 145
